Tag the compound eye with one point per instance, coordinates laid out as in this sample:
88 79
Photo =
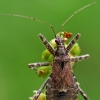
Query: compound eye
57 41
60 43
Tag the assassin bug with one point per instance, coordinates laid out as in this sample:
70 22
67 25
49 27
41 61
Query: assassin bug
61 84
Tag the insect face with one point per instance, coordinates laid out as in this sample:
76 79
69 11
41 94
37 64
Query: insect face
60 46
59 41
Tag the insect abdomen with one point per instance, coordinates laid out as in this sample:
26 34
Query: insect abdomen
53 94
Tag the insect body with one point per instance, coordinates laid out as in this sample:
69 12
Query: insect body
61 84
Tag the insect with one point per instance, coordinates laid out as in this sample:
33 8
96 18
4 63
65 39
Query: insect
61 84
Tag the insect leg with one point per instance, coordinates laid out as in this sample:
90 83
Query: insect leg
72 42
83 94
47 45
79 58
41 88
80 90
38 64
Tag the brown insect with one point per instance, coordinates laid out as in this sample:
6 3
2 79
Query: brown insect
61 84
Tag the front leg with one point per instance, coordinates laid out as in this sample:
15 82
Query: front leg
72 42
83 93
47 45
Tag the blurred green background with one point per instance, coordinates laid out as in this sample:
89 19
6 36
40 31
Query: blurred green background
20 44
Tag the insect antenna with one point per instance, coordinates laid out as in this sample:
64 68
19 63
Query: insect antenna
74 14
32 19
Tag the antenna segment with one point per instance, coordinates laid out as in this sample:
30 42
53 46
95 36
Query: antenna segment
75 13
32 19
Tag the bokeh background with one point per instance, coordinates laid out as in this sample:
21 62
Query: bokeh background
20 44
